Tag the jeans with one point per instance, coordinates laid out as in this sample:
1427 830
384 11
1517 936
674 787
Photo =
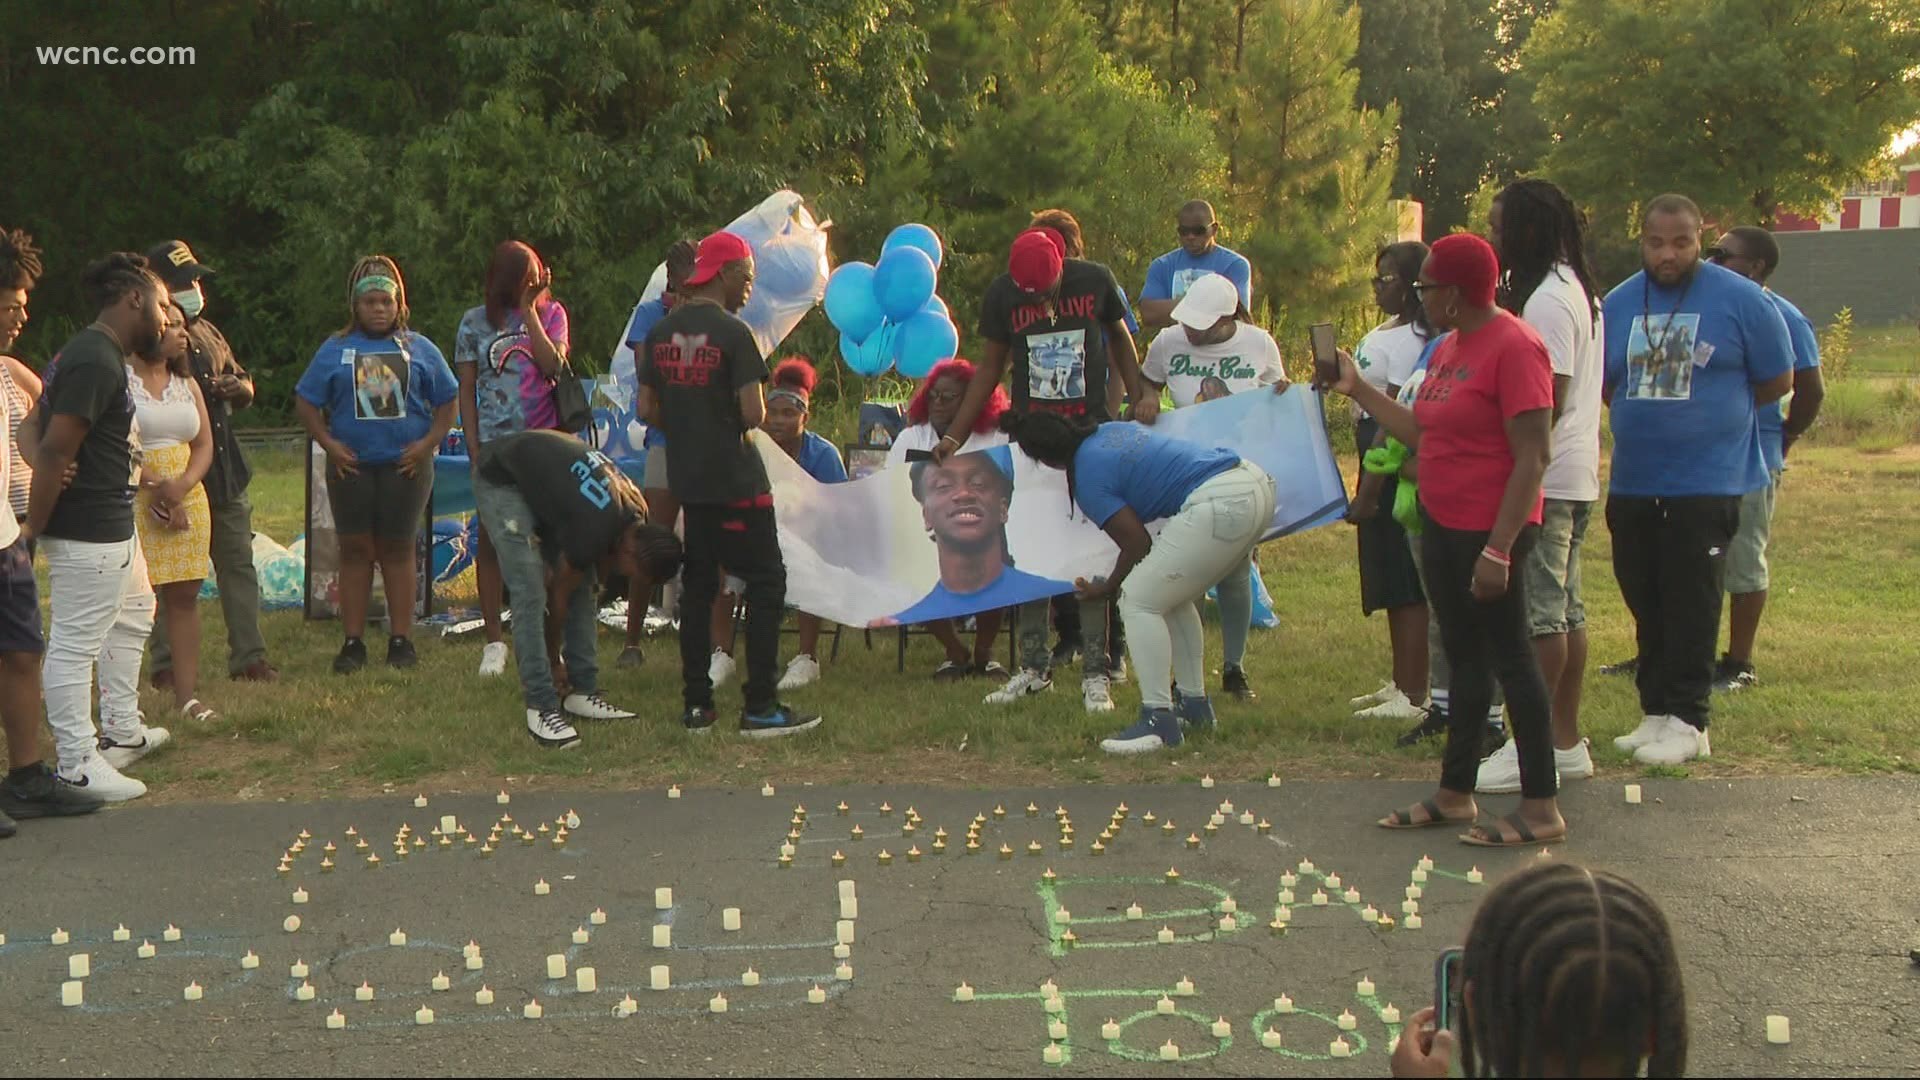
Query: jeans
1670 557
1031 633
746 541
101 609
510 523
1236 612
1214 532
239 583
1488 641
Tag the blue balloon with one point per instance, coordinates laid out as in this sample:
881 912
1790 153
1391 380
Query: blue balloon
938 305
916 236
903 282
869 357
923 341
850 301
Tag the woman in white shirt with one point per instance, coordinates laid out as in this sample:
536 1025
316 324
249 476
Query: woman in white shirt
175 449
928 415
1213 349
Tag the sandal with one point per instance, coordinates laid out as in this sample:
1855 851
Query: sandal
1490 835
951 671
197 711
1403 820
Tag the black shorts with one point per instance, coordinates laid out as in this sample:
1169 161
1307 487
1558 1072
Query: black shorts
19 602
377 500
1388 578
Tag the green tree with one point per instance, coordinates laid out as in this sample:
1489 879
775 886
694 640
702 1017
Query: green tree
1748 106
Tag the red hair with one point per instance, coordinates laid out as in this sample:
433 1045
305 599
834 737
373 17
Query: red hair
962 369
507 275
796 372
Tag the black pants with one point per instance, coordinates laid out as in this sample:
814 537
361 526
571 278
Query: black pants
1486 641
1670 557
1066 623
747 543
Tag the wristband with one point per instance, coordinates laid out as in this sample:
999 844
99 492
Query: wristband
951 439
1492 554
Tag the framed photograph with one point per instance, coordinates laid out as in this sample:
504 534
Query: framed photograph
863 459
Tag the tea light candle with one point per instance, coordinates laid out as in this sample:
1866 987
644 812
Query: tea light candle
839 858
662 936
856 832
849 907
1370 913
304 992
475 962
1413 922
120 933
842 808
1419 876
963 992
843 952
658 977
145 951
1390 1014
1270 1039
1034 848
1165 937
1306 866
423 1016
441 982
541 888
1052 1054
1062 915
585 980
250 961
1410 907
581 936
717 1004
72 993
337 1019
844 972
1057 1030
598 918
1228 924
662 898
843 931
885 857
785 862
1778 1030
1273 780
1193 840
483 996
1633 794
1148 818
1168 828
1216 819
1475 877
1168 1051
1283 913
1164 1006
1339 1048
1246 817
749 977
1348 1021
420 801
1053 1005
1364 987
1286 896
1184 987
673 791
1173 876
533 1011
1006 852
766 791
1414 892
1206 781
1135 911
556 965
1352 896
1283 1005
939 846
1288 881
1221 1029
1319 898
1264 827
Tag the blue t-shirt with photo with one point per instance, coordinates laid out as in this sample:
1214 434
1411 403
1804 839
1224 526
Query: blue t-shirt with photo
1682 362
821 460
1169 275
1806 354
1012 588
379 394
645 315
1126 465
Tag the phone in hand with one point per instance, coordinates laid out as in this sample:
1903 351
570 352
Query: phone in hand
1446 989
1326 359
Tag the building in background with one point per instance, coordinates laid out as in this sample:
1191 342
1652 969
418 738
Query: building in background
1864 255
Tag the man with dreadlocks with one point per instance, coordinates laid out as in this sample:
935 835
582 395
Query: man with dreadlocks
1541 239
1566 972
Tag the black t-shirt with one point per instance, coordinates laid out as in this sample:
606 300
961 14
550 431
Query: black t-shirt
697 359
212 357
579 499
1057 348
88 379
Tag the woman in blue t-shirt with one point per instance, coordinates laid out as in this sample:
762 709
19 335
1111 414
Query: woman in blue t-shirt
378 398
1216 507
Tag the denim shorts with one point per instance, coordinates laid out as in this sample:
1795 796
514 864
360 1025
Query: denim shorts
1553 570
19 602
1747 555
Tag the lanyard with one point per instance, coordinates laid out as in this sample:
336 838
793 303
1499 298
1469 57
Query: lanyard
1646 313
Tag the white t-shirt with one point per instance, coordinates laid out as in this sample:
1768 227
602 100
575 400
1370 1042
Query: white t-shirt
1560 312
1244 361
923 437
1387 355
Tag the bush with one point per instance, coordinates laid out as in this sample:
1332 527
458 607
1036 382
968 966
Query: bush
1836 347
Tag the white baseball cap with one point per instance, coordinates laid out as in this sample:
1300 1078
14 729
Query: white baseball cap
1209 299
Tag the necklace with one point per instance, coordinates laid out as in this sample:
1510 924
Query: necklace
1646 310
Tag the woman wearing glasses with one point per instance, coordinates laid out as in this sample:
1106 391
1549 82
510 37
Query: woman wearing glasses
928 414
1481 422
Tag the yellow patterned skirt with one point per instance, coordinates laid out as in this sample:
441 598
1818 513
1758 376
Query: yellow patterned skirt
173 554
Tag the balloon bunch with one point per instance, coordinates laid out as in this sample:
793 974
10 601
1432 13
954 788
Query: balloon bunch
887 313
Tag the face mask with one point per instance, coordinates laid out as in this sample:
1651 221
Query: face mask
191 301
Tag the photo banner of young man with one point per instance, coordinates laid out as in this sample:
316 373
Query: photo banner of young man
994 528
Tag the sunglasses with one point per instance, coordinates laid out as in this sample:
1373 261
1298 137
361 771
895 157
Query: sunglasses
1718 255
944 396
1421 287
1197 230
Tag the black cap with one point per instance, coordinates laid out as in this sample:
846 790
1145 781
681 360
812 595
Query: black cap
175 263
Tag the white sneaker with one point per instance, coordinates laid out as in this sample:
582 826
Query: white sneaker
1679 743
1393 706
1649 730
1118 676
97 777
1024 683
493 659
1574 764
1500 772
720 668
551 730
801 670
123 749
1097 692
1364 701
594 706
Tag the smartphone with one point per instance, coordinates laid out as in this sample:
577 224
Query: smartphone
1446 989
1326 361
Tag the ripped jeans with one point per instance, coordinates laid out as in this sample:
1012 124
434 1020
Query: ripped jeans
510 524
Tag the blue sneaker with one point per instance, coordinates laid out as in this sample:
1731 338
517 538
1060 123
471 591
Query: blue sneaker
781 721
1157 729
1196 712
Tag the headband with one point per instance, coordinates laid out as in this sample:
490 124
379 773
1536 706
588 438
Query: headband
376 283
797 396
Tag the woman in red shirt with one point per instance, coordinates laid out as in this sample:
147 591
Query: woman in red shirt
1482 423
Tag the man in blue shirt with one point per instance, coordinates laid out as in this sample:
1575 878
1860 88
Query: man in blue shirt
1693 350
964 503
1197 256
1754 254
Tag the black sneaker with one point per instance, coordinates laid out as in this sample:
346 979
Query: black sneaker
400 654
1065 653
40 793
781 721
952 671
1628 667
1234 681
352 657
1730 675
1434 725
698 721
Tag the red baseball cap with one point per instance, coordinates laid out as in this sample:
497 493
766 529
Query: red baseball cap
716 251
1036 259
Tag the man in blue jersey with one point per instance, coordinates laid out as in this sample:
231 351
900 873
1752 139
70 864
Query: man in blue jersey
1754 254
1693 351
1198 255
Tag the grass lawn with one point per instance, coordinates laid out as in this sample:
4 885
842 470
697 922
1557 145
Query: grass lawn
1838 657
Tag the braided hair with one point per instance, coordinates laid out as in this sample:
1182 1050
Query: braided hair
384 266
19 260
1050 439
107 279
1568 969
1540 228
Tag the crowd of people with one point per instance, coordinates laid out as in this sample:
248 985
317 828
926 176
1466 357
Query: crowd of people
1478 401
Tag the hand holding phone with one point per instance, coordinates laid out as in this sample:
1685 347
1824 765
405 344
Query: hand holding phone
1446 989
1326 354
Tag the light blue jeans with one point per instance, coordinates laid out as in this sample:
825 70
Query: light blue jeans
510 524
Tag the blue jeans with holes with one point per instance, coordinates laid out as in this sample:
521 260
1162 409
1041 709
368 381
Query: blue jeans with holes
510 524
